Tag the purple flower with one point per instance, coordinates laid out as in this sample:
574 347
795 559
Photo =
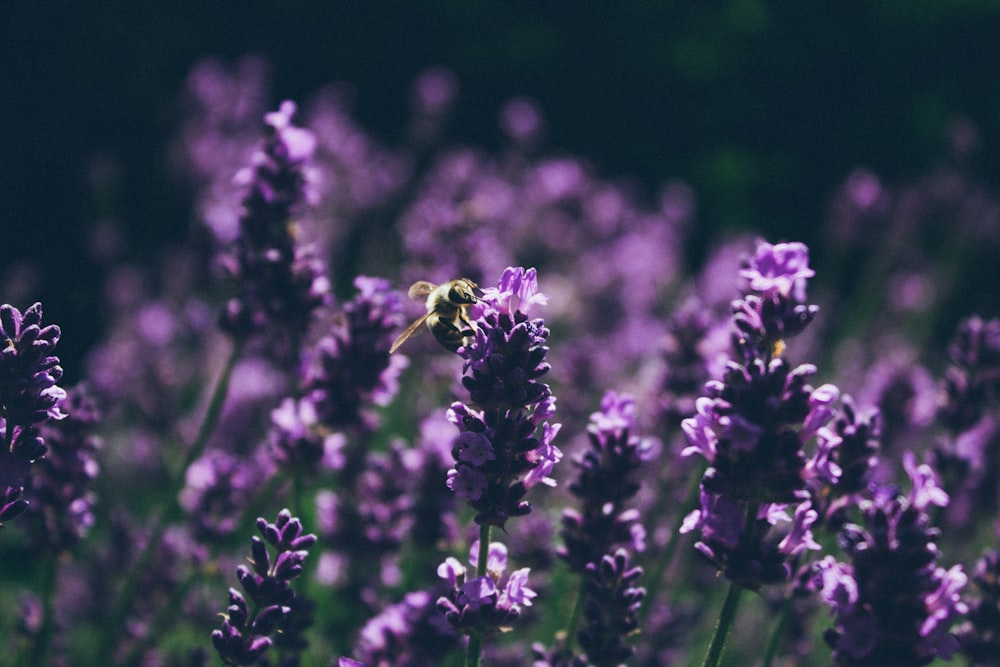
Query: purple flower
752 427
925 489
499 454
474 448
410 632
608 479
281 282
246 631
610 610
892 604
480 605
979 638
467 482
516 592
780 269
62 511
350 368
218 487
29 396
846 455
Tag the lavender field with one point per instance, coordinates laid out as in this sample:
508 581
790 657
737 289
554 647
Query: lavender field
785 451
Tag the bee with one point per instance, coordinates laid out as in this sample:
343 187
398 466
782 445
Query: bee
447 313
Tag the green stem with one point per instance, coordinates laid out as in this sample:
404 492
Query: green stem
574 619
168 512
779 630
726 618
732 603
475 639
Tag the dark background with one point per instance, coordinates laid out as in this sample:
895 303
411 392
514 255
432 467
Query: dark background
762 107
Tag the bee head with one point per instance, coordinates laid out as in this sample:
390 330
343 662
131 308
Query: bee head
463 291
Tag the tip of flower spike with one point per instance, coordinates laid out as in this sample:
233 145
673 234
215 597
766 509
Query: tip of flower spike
517 290
781 268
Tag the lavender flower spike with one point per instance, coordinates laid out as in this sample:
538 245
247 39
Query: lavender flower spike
280 282
29 396
499 453
893 605
752 426
246 631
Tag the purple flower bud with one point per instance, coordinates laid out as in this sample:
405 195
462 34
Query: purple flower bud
516 591
474 448
779 269
466 482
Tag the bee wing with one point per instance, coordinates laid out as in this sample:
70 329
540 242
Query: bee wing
410 330
420 290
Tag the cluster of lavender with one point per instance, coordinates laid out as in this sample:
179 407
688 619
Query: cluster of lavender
310 410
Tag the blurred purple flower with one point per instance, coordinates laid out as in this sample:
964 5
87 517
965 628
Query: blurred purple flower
409 633
980 637
280 283
892 604
608 480
218 487
610 610
350 368
61 482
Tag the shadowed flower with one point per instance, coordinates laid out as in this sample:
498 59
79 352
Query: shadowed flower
247 627
608 480
281 282
29 396
892 604
61 481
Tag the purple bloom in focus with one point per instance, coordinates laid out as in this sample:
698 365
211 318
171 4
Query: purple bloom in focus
893 605
467 482
752 425
852 445
246 630
499 454
480 605
780 269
